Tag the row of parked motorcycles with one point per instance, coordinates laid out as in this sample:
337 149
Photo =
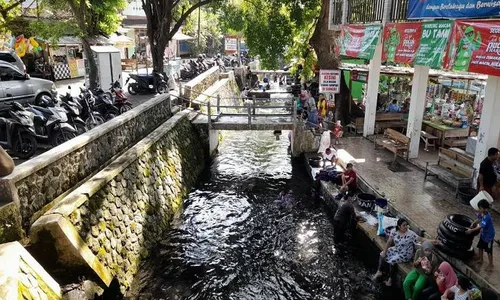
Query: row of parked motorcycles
195 67
55 121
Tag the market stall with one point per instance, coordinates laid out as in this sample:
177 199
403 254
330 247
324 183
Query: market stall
446 134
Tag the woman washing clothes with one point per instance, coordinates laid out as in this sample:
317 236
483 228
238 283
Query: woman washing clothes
445 278
403 239
425 262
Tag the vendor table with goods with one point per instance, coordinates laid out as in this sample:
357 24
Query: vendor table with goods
443 131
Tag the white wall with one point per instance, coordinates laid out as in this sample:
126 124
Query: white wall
134 8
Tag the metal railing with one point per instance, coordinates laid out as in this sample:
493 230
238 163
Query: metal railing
399 11
249 109
365 11
336 12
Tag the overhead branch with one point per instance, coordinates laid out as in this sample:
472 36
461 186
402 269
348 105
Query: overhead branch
11 7
186 14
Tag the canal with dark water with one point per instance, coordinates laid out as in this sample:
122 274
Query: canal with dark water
235 240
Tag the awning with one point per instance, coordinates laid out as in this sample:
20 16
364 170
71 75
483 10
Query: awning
121 40
75 41
179 36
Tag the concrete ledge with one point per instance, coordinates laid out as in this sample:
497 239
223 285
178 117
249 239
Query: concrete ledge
22 277
200 83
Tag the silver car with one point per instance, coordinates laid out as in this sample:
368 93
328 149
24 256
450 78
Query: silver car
11 57
18 87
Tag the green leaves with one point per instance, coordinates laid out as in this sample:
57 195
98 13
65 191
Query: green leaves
275 30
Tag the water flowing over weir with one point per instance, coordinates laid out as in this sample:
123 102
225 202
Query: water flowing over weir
234 240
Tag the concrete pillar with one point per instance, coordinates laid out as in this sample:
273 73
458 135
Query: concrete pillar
213 141
372 91
489 129
417 108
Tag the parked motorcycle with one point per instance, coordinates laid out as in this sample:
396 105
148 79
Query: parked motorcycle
120 100
145 83
51 124
73 110
189 70
17 133
104 104
87 101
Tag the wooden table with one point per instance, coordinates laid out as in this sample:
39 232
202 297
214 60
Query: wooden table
442 131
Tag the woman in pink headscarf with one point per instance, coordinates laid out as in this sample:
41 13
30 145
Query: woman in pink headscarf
445 278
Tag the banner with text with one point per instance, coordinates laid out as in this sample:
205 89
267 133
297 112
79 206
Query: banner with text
433 43
329 81
230 44
452 9
475 47
401 41
359 40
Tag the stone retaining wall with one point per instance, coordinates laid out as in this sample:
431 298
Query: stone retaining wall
39 181
111 222
200 83
21 277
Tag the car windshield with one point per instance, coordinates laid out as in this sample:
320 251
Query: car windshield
7 57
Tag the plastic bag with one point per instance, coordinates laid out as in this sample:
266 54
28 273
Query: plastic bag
385 222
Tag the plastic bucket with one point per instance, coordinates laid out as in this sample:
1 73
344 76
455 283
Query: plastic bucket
480 196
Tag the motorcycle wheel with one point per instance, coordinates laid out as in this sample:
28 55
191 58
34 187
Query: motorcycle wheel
25 147
109 117
124 108
131 90
80 128
98 120
161 89
62 136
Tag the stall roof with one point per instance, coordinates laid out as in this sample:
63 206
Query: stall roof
73 40
407 71
179 36
104 49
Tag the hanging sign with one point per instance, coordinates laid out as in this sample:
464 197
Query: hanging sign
329 81
435 37
475 47
359 40
401 41
452 9
230 44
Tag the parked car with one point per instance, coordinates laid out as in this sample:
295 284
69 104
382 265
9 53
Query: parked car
11 57
19 87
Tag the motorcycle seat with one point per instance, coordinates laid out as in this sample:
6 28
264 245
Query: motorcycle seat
45 111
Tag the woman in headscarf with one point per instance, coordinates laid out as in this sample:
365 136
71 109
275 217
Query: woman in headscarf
445 278
425 262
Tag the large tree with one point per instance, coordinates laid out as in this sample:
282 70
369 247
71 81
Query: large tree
165 18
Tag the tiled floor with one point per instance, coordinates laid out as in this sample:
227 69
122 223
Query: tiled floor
425 203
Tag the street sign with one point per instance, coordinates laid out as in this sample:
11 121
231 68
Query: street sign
329 81
231 44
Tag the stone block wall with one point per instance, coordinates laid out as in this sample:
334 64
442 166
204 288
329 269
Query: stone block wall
120 213
39 181
21 277
198 85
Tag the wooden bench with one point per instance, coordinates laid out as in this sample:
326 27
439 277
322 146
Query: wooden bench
454 167
455 143
128 63
382 121
395 142
429 140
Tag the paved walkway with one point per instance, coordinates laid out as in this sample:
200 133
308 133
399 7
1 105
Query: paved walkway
425 204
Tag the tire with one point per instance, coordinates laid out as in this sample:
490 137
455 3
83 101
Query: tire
124 108
454 245
109 117
131 90
447 234
62 136
98 121
162 88
25 146
80 128
457 224
460 254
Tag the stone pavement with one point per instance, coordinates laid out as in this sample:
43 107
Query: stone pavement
425 204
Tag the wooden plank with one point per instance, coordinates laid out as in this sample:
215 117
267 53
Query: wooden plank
450 153
454 169
398 136
458 132
428 135
463 156
464 169
455 142
389 117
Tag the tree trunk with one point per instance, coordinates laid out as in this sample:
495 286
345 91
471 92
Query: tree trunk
157 53
91 63
323 43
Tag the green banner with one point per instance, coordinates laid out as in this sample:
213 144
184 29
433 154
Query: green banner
433 42
359 41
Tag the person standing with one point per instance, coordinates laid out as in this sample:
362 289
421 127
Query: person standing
322 107
6 163
485 224
345 218
487 177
